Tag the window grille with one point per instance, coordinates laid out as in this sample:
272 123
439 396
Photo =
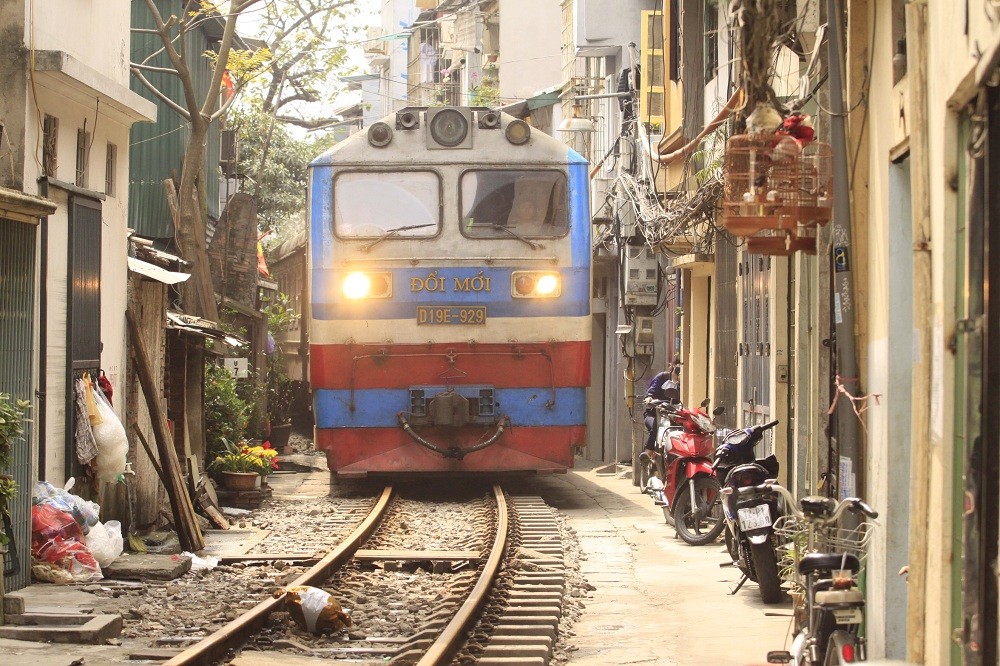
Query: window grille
82 150
110 166
50 130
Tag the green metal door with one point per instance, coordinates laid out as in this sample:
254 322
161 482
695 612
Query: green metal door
17 299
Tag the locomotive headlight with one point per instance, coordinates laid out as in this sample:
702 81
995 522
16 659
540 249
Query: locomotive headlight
535 284
367 285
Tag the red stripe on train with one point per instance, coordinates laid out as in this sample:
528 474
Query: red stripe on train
401 366
358 451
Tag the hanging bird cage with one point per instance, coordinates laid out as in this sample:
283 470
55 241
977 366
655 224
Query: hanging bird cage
783 242
775 181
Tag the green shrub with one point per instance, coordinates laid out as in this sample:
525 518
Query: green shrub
227 415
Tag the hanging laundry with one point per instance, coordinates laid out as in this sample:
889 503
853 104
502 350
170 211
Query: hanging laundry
88 395
428 60
105 384
83 434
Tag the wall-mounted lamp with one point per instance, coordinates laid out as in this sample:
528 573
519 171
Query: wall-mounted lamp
577 123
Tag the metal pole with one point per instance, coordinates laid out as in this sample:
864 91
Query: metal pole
848 472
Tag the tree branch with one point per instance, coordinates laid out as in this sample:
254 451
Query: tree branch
312 123
159 95
150 68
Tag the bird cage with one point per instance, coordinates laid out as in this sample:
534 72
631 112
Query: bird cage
783 242
776 181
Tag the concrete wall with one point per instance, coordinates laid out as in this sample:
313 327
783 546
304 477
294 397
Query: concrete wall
113 255
599 24
59 25
530 59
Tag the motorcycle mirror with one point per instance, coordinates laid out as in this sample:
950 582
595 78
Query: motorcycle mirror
718 410
706 402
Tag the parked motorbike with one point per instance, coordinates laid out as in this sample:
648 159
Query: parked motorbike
750 516
680 477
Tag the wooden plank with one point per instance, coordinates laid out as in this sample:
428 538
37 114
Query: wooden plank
418 555
149 452
286 557
188 531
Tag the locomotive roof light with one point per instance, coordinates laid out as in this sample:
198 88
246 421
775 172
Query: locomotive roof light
489 119
367 285
379 135
518 132
449 128
535 284
407 120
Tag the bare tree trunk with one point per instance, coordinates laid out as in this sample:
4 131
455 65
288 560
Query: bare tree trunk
198 293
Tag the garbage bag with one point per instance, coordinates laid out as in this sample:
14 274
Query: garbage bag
70 555
112 442
84 511
49 522
105 542
314 610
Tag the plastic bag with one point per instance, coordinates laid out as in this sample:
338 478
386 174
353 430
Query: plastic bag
70 555
314 610
201 563
112 442
48 522
105 542
85 512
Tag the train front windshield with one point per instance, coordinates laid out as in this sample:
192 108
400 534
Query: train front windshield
531 203
371 204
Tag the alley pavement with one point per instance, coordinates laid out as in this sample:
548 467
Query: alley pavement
655 599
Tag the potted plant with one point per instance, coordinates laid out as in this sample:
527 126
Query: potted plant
241 465
280 390
280 394
12 419
227 414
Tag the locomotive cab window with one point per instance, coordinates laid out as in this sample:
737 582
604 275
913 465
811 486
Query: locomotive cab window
530 204
404 204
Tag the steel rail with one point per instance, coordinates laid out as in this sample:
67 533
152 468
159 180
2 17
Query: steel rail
214 647
453 636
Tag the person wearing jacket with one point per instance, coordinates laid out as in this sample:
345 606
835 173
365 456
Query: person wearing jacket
663 386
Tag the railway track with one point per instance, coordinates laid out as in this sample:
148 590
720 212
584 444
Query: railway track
498 602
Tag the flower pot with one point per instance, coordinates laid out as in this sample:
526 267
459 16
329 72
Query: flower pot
279 435
238 480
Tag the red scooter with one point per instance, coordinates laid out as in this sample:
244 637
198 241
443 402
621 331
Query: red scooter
680 476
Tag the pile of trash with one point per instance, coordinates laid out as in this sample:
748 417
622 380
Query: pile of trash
69 543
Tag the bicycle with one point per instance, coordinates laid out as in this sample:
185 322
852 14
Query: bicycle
823 560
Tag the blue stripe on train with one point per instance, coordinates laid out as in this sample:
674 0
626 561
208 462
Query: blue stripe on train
329 303
579 212
377 408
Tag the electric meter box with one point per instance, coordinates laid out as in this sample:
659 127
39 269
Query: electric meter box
640 276
644 336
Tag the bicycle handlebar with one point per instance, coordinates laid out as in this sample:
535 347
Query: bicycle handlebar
854 504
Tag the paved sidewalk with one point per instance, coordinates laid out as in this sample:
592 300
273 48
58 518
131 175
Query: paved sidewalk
657 599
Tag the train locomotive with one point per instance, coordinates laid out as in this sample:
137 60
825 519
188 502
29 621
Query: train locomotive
450 276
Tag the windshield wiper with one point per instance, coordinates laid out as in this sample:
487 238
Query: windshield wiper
394 232
503 227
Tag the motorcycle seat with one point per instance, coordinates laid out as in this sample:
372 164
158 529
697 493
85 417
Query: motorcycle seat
813 562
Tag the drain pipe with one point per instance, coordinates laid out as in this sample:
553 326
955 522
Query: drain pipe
43 333
843 289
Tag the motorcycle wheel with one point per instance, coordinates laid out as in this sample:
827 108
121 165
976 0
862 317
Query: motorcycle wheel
701 524
765 564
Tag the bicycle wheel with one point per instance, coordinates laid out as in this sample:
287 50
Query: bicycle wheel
701 523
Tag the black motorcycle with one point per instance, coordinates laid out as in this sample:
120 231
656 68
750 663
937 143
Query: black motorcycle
750 517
